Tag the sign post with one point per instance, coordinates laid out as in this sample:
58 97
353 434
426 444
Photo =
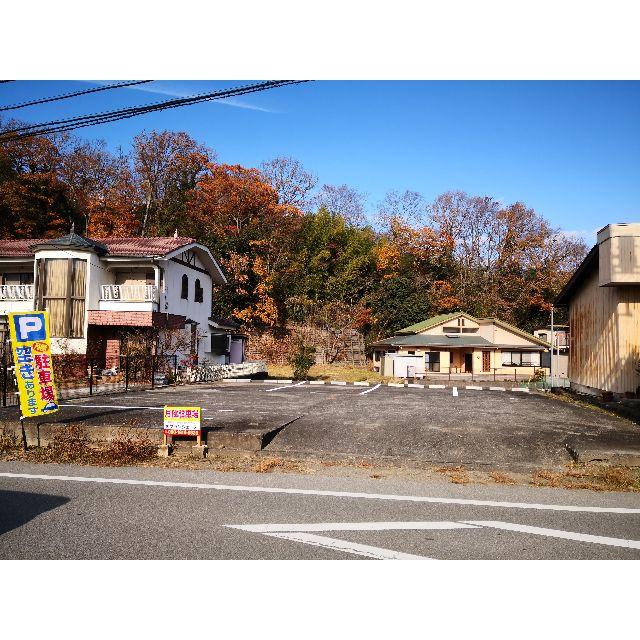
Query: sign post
182 421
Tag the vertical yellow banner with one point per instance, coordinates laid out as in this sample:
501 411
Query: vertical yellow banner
31 347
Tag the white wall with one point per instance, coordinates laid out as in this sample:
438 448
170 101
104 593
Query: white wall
171 302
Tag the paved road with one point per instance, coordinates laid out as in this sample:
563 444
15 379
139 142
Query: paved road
59 511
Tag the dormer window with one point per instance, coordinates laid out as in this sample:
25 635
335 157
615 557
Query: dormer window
185 287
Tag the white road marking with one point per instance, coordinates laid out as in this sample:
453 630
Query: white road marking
414 385
395 384
473 387
377 553
290 387
317 382
361 384
320 492
352 526
370 390
110 406
225 410
520 389
497 389
436 386
558 533
341 383
455 392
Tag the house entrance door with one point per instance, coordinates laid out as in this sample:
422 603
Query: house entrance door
486 360
468 362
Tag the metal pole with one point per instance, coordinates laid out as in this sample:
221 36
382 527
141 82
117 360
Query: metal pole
153 370
126 373
91 377
175 370
4 376
551 367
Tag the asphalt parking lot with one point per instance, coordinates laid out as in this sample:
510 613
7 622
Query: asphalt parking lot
463 426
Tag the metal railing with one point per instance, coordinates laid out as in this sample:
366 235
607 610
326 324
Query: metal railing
16 292
129 292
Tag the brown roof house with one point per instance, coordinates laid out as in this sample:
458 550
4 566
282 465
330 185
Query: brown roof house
98 291
459 344
603 298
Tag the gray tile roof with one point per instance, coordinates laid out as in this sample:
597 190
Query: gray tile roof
419 340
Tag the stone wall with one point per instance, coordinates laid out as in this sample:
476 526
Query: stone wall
213 372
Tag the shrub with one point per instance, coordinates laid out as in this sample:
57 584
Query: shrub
302 360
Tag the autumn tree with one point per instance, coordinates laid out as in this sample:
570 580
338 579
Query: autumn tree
238 215
344 201
167 167
291 181
34 199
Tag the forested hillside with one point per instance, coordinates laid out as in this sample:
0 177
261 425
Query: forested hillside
294 250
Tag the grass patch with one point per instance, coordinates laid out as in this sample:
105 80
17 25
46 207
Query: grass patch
595 477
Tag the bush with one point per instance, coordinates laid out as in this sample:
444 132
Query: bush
302 360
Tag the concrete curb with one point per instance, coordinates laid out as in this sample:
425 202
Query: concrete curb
317 382
361 384
497 389
339 382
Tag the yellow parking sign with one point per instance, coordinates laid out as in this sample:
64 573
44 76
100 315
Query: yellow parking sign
31 347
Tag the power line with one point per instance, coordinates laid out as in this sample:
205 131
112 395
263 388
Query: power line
4 81
56 126
64 96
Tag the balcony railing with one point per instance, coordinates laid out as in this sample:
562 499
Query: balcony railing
129 292
16 292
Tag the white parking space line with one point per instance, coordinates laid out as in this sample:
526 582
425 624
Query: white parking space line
319 492
558 533
354 548
455 392
110 406
287 387
362 393
353 526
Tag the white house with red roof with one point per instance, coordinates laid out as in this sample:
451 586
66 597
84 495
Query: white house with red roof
98 292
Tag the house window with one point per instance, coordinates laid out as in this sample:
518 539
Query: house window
542 336
199 292
411 353
17 278
520 359
432 361
220 344
64 287
185 287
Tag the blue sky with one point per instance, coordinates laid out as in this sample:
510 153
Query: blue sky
570 150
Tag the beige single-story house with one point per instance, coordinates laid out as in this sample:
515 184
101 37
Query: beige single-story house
458 343
603 297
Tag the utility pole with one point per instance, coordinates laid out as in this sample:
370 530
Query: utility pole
551 367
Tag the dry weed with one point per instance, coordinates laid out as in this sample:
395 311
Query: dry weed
595 477
8 441
269 464
456 475
70 443
128 445
501 478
